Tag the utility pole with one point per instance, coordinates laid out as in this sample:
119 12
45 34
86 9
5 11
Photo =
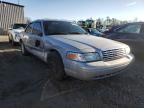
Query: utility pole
0 13
18 1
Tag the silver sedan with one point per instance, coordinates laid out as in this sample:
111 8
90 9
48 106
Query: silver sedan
69 50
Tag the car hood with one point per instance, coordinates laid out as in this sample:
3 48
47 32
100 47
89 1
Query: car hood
18 30
89 43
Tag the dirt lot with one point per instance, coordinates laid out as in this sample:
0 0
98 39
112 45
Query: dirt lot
24 83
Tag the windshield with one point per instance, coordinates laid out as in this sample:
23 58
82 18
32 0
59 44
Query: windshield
16 26
62 27
95 31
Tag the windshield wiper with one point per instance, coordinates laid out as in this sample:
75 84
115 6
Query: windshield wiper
66 33
76 33
61 33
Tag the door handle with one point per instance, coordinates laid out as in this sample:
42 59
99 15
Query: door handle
37 43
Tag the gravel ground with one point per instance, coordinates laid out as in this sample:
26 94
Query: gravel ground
25 84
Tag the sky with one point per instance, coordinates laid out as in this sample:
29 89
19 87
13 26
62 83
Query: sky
83 9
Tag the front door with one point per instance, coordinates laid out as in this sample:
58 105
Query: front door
37 43
28 37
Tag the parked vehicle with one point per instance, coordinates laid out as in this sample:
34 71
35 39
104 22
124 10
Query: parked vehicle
113 29
14 33
131 34
94 32
69 51
102 30
81 23
89 23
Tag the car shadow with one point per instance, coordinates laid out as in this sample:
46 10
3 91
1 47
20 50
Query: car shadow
7 46
20 76
110 91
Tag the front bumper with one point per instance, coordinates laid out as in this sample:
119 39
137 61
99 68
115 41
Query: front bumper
98 70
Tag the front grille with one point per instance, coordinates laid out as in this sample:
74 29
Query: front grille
114 54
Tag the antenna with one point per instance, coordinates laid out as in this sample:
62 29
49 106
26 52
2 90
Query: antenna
18 1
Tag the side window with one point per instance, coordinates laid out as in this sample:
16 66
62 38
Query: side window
37 29
134 28
29 28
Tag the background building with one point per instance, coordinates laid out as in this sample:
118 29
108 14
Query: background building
9 14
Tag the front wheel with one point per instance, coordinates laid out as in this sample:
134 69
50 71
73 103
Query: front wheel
10 41
13 43
56 66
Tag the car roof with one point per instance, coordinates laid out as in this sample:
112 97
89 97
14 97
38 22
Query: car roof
135 23
123 25
51 20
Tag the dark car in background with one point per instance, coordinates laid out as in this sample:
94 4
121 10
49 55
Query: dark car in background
113 28
131 34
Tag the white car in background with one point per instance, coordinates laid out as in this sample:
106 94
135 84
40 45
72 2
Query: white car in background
14 33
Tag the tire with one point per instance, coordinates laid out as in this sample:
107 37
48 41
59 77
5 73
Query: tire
10 41
23 50
13 43
56 66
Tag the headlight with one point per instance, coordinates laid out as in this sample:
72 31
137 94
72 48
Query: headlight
128 50
84 57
